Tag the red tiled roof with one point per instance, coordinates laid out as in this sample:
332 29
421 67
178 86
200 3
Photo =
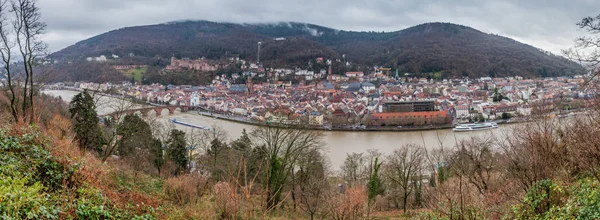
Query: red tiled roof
390 115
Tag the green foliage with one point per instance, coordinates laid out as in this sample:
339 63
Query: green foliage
374 185
159 156
21 200
216 152
275 182
28 173
177 151
538 201
256 163
34 185
583 203
443 173
136 74
23 157
87 130
547 200
243 144
506 116
92 205
136 136
480 117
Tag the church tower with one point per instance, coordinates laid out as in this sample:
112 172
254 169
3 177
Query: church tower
250 85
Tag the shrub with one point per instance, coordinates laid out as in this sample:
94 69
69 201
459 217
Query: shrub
539 200
185 189
19 200
584 202
350 205
25 156
92 205
226 202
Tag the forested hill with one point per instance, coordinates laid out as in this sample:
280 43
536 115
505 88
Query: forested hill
429 47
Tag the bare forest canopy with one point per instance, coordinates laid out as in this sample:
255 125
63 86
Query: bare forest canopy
431 47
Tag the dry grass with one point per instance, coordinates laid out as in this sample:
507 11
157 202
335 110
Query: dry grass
226 201
93 173
350 205
185 189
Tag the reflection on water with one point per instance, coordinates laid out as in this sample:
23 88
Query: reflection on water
338 143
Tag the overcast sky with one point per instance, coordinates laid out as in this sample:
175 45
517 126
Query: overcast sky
547 24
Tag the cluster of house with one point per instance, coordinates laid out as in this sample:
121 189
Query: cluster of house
104 58
364 99
200 64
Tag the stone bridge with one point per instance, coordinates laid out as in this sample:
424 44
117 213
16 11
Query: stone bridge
145 112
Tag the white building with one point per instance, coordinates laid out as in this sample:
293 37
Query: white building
194 99
100 59
524 110
239 111
462 111
304 73
367 87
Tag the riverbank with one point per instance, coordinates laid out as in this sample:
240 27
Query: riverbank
246 121
366 129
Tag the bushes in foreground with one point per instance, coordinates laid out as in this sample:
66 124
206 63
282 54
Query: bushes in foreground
552 200
35 185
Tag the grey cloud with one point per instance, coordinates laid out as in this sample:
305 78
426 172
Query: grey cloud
548 24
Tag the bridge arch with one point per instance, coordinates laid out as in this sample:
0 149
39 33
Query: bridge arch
145 112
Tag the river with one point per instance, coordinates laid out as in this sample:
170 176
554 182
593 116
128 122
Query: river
338 143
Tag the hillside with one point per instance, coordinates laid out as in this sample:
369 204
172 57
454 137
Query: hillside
427 47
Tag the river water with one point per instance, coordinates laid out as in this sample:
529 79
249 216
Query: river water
338 143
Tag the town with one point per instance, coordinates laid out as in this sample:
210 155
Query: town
355 100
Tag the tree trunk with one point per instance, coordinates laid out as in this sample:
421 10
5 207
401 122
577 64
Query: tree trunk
404 201
294 190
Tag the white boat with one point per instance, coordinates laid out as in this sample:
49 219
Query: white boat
475 127
174 120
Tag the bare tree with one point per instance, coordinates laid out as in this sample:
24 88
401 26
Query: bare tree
584 143
119 107
311 183
213 146
22 31
535 151
28 28
354 169
587 48
5 52
351 204
282 147
475 160
404 168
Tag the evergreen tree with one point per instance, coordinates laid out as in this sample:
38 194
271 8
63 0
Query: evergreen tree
158 154
177 151
243 144
87 130
136 136
216 151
